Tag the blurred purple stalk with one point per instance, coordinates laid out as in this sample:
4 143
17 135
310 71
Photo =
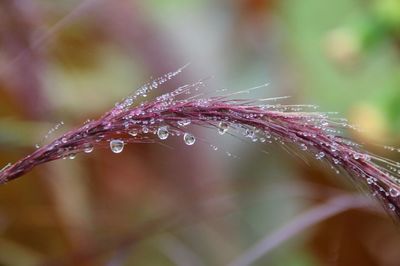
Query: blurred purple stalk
304 221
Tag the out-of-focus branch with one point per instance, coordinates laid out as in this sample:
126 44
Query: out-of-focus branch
304 221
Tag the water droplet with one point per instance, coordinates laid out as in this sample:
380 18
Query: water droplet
133 133
303 147
320 155
184 122
189 139
223 128
162 133
145 129
356 156
64 140
88 148
117 146
394 192
37 146
249 133
72 156
215 148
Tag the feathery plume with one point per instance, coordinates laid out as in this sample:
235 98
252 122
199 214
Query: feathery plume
300 126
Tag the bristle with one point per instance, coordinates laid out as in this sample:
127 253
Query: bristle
171 114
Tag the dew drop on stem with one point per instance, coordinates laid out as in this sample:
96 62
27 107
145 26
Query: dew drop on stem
320 155
249 133
184 122
394 192
117 146
88 148
189 139
162 133
223 128
133 133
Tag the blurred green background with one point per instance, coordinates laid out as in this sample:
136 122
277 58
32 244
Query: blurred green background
151 205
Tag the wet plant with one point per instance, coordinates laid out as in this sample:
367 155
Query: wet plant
173 114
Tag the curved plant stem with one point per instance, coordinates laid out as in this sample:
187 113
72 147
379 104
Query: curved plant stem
294 127
300 223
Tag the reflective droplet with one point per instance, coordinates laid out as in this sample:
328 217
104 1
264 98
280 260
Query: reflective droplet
249 133
37 146
303 147
162 132
133 133
223 128
184 122
320 155
145 130
394 192
356 156
88 148
72 156
189 139
117 146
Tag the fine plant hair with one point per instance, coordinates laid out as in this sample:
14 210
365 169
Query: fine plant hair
298 127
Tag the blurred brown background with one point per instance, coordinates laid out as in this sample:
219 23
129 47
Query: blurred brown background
70 60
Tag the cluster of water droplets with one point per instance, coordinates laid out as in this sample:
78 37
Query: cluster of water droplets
320 155
54 129
144 90
391 148
184 122
50 132
162 132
